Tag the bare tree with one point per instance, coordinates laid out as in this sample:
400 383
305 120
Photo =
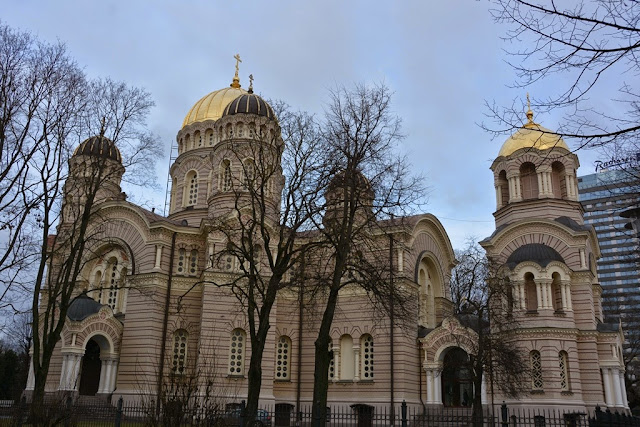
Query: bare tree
274 195
584 45
366 181
483 301
47 195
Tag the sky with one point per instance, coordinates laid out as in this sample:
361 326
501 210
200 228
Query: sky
442 59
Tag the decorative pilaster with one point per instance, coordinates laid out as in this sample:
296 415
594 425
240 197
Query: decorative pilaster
356 355
336 363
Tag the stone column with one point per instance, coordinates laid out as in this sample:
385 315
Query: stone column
31 380
430 396
158 257
73 362
63 373
437 386
623 390
483 391
563 296
567 291
539 296
522 296
103 372
617 397
541 190
606 382
114 375
336 363
498 196
583 258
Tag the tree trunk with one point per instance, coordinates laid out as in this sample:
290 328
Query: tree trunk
322 362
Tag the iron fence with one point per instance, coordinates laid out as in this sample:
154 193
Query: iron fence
72 414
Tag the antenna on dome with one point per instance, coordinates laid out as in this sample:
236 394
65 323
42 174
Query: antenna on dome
529 112
250 83
236 80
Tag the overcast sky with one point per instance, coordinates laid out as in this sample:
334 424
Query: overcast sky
442 59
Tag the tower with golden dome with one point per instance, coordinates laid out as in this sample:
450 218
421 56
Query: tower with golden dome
549 257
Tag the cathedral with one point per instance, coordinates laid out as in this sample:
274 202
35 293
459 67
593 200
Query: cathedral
147 303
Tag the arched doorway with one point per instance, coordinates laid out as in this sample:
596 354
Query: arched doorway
90 373
457 384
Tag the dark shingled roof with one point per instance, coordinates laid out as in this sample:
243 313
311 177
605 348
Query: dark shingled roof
249 103
99 147
82 307
536 252
565 220
608 327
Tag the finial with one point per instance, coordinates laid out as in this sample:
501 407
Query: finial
250 83
529 112
236 79
102 126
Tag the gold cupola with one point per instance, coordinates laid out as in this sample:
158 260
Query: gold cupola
531 135
212 105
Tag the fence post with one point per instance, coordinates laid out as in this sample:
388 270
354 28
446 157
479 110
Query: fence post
404 413
243 412
119 412
505 414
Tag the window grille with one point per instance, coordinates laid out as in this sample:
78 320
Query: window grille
236 352
283 353
564 370
193 262
536 370
112 297
192 200
181 261
367 357
179 351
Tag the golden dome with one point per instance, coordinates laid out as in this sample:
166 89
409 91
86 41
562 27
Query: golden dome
532 135
211 106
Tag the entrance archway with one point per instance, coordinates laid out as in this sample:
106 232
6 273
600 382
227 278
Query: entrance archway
457 384
90 373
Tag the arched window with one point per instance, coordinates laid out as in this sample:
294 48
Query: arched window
112 296
563 360
180 266
226 180
174 191
191 187
529 181
503 183
209 136
366 346
179 351
193 262
198 138
236 352
556 292
283 355
530 292
347 359
97 285
249 173
430 289
536 370
558 183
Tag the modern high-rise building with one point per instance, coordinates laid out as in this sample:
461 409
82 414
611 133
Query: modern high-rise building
604 196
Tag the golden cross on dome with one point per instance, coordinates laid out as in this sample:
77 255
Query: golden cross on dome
529 112
238 61
236 79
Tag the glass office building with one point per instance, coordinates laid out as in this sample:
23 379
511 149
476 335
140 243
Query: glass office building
604 195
